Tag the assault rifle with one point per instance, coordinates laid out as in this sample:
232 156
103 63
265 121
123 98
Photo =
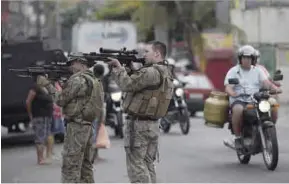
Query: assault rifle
124 56
54 72
55 67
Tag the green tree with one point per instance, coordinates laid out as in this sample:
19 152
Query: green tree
147 14
184 19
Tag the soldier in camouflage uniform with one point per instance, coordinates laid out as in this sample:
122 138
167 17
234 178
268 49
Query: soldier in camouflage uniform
148 92
76 100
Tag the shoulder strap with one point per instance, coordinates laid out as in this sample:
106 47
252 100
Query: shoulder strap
89 81
154 87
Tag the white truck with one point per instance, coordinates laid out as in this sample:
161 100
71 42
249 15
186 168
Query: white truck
90 36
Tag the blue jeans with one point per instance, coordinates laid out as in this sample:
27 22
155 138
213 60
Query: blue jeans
95 131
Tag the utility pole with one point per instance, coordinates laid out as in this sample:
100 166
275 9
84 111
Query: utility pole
38 23
58 24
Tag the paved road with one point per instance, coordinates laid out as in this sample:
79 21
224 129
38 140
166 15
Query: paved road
197 157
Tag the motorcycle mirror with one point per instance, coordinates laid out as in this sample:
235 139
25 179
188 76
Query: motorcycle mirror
278 77
263 89
234 81
278 72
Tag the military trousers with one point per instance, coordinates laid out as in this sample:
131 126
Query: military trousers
77 153
141 147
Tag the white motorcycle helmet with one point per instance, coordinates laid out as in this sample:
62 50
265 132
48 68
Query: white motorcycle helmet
257 55
246 50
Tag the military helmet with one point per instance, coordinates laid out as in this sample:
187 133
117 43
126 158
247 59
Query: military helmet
80 58
257 56
76 57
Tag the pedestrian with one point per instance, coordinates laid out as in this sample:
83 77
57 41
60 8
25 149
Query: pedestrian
58 128
82 100
98 70
40 108
95 132
148 92
96 126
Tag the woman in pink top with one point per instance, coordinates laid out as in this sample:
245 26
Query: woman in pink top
58 123
264 70
267 75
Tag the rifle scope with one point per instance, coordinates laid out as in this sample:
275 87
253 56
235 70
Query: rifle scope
122 51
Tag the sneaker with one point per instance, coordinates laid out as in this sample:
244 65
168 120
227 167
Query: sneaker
238 143
229 142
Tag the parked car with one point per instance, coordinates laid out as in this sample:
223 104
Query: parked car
197 89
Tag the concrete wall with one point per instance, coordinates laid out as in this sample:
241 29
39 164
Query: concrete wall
282 57
263 25
223 11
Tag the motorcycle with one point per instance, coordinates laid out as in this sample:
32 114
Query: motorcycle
114 111
258 131
177 111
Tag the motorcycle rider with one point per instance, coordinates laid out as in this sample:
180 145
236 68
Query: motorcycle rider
251 79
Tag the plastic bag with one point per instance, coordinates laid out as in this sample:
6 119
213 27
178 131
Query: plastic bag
102 140
58 126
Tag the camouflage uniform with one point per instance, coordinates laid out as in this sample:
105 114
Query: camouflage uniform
141 136
77 148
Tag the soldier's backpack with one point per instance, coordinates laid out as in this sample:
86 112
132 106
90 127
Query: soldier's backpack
93 108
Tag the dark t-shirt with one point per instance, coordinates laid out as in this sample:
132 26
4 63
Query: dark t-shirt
42 104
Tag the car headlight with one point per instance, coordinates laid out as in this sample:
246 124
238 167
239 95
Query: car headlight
179 92
264 106
116 96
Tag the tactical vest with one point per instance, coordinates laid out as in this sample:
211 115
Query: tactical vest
93 108
153 101
89 106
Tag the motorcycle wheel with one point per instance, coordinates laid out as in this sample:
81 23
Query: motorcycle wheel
271 154
119 127
243 159
166 127
185 121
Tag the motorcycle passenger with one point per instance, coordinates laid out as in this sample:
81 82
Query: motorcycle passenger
273 98
264 70
251 80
